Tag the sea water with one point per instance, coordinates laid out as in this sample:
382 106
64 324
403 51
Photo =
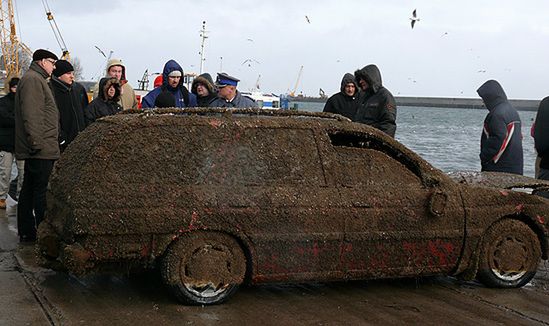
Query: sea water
449 138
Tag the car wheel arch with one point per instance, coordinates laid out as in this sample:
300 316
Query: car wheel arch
471 270
244 242
493 269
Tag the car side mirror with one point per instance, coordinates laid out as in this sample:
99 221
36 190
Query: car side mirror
437 203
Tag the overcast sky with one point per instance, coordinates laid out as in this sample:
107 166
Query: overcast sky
453 49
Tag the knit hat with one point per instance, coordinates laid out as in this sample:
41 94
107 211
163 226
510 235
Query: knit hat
43 54
62 67
175 73
165 100
13 82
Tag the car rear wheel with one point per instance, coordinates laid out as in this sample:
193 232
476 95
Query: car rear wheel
204 268
510 255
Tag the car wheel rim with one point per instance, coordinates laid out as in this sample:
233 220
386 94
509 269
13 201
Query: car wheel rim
510 258
209 271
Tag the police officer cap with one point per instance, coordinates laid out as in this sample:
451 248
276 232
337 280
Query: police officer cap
43 54
224 80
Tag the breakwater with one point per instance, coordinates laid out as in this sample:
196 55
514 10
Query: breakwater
439 102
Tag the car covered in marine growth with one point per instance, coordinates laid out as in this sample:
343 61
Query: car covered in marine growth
219 198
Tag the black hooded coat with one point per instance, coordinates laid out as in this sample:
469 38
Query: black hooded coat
342 103
102 106
377 106
72 102
501 140
541 133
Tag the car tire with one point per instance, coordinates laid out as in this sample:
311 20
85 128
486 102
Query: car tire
204 268
510 255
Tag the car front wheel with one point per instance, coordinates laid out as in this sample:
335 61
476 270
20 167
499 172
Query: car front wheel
204 268
510 255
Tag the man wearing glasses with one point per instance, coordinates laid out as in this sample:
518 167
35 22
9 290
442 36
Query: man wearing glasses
36 134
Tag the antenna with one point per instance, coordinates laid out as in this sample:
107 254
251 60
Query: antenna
204 36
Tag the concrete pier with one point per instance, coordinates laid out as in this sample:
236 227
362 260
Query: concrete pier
440 102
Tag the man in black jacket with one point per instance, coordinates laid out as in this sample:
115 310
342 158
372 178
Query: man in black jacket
346 101
501 140
541 138
377 106
71 100
7 143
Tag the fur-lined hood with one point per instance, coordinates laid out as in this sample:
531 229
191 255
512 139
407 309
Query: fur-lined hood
116 62
104 86
205 79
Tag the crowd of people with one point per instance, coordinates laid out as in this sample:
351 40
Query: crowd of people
46 108
362 98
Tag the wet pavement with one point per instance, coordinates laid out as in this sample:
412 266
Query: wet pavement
30 295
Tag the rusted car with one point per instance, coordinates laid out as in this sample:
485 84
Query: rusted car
219 198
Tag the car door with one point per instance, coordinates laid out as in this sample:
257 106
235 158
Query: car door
402 222
271 182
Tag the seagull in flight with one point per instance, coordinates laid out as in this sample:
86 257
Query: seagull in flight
249 39
307 18
250 61
414 18
100 51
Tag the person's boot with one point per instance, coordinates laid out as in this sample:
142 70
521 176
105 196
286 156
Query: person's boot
2 204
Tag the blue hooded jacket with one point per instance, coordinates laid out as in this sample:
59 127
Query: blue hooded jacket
501 140
180 92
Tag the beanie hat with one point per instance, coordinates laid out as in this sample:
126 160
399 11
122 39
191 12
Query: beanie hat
13 82
175 73
43 54
62 67
165 100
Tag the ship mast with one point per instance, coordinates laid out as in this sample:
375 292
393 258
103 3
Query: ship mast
204 36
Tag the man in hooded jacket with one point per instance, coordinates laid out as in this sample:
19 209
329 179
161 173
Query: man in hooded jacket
204 89
541 138
116 69
172 81
501 140
377 106
346 101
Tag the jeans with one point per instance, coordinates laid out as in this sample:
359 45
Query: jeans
6 164
32 200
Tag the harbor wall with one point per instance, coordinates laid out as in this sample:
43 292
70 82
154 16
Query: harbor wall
440 102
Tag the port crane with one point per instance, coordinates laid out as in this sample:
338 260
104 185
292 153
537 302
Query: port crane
56 32
292 93
11 46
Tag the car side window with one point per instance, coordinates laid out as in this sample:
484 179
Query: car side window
206 155
364 161
278 156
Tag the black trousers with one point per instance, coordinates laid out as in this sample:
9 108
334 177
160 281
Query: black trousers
32 199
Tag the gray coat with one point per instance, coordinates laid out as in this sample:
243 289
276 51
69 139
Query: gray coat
36 117
238 101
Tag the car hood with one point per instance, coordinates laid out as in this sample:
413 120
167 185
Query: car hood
500 180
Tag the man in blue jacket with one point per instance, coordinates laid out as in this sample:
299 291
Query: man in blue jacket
172 81
501 140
